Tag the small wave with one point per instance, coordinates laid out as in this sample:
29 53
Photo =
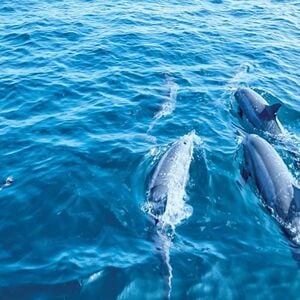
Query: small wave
9 180
214 277
91 279
98 284
290 144
290 226
17 38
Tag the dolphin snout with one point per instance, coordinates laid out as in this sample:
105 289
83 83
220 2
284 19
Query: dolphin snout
189 137
239 92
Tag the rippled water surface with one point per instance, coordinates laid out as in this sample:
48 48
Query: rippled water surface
92 93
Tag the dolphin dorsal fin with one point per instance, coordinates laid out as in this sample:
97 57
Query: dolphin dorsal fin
270 111
297 194
295 204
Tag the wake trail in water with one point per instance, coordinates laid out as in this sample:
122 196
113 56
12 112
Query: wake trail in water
169 104
163 244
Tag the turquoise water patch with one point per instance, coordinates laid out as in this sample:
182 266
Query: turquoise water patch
92 93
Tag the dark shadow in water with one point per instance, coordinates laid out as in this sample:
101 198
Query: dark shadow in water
67 290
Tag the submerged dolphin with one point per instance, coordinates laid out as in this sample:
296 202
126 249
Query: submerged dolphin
258 112
169 104
170 174
274 182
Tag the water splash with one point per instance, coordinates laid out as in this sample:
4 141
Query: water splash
289 226
91 278
170 101
292 145
9 180
241 75
163 245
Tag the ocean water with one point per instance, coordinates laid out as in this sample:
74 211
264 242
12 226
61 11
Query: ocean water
92 94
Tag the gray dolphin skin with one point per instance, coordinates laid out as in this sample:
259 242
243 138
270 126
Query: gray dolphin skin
170 173
274 182
257 110
165 193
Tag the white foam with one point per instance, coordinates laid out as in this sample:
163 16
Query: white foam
90 279
240 75
9 180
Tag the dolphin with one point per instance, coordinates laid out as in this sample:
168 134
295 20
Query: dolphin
166 191
274 182
258 112
171 173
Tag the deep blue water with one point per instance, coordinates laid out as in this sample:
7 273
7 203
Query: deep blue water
92 93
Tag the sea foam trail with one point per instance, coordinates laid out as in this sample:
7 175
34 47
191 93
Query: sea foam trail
170 101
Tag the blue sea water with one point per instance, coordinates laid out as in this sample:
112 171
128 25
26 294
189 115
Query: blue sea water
92 93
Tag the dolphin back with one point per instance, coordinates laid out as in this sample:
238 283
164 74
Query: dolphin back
258 111
264 164
171 172
276 185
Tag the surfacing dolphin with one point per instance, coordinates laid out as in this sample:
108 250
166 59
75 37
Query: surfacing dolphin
274 182
166 204
257 111
167 184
